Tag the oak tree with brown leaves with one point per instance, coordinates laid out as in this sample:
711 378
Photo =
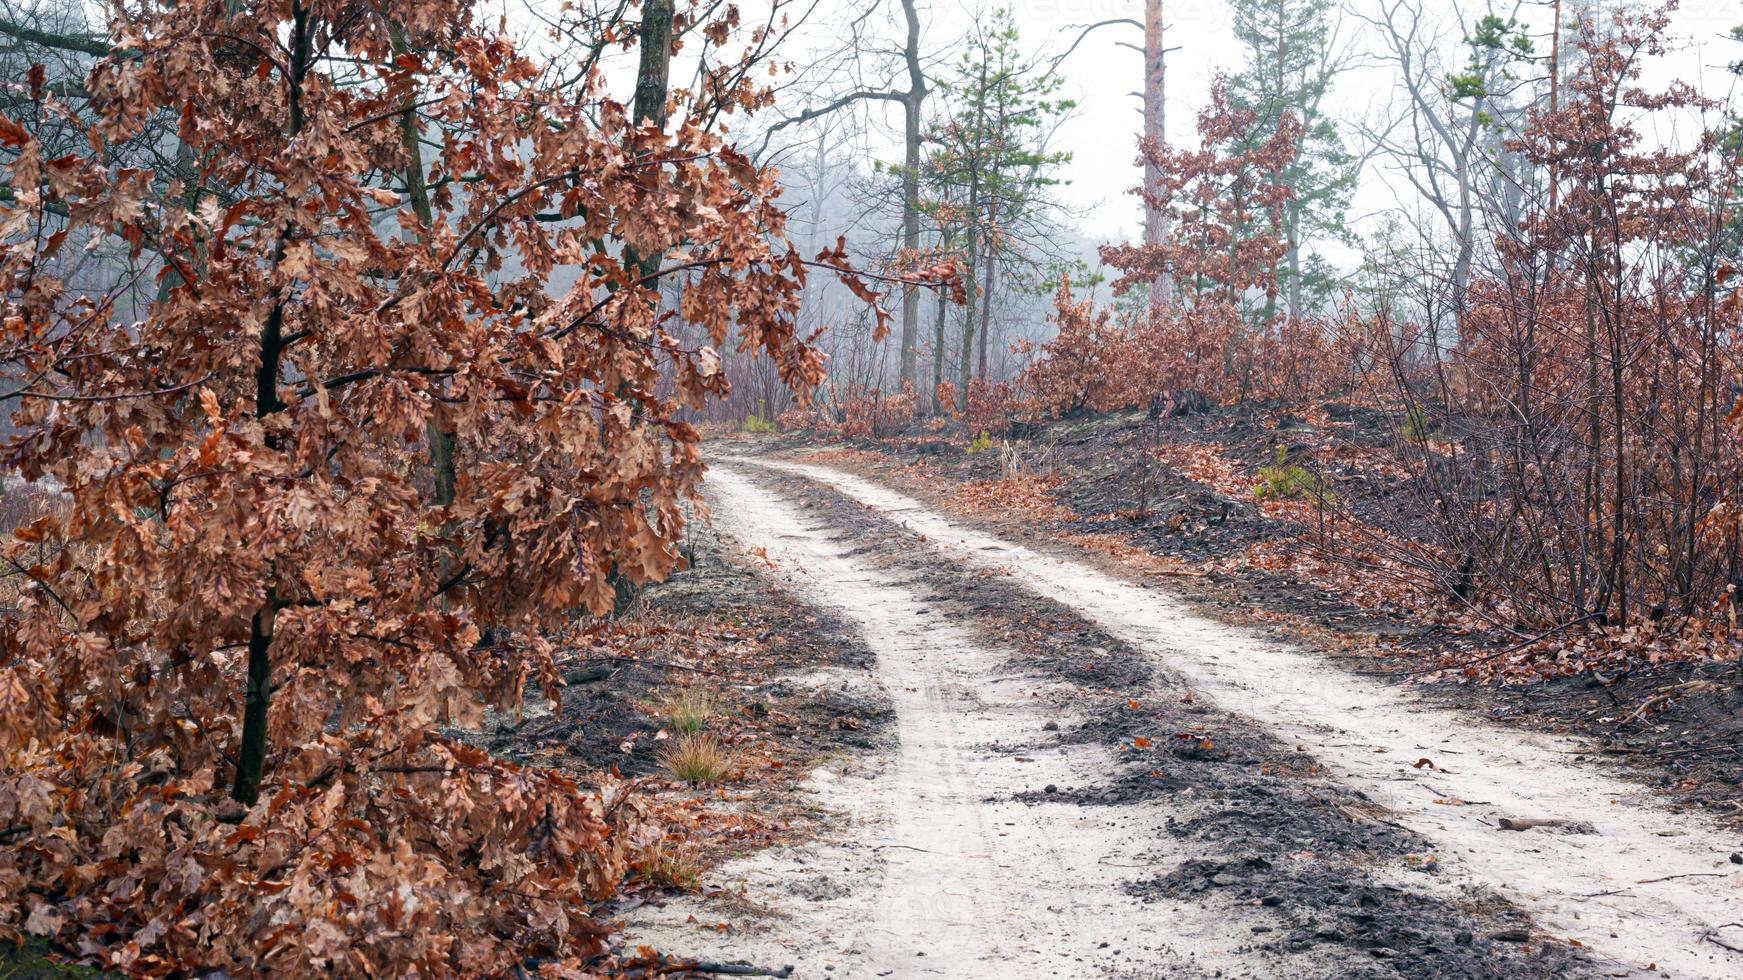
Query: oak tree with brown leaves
264 593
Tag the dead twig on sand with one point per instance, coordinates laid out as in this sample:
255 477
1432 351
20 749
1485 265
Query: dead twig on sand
1712 936
668 965
1652 881
1691 874
1527 823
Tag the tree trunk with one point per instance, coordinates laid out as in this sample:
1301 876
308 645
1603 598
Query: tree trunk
965 369
1554 89
257 695
652 80
938 351
986 314
1155 116
1467 214
911 118
441 438
1294 293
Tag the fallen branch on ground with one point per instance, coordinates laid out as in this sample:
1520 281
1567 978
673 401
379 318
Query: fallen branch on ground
665 965
1527 823
1712 936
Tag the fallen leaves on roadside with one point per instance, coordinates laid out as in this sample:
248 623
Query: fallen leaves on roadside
1029 496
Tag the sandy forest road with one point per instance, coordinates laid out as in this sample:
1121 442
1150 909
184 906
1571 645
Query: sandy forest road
940 872
950 868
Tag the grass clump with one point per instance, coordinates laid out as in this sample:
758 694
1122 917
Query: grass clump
688 710
671 865
980 443
758 424
1283 480
696 758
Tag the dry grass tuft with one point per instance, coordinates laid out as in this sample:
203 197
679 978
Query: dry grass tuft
697 758
688 710
672 864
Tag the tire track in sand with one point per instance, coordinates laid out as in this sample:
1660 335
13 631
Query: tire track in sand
1651 890
940 871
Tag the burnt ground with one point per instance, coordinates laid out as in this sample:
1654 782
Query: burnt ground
1677 727
720 625
1341 879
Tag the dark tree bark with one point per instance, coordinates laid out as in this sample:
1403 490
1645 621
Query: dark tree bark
913 100
653 76
251 754
912 103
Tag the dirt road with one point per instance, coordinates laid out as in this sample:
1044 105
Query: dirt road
1091 780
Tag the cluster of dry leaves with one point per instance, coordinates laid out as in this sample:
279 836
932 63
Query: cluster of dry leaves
331 491
1027 495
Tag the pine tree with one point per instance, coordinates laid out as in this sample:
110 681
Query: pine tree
992 165
1290 65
